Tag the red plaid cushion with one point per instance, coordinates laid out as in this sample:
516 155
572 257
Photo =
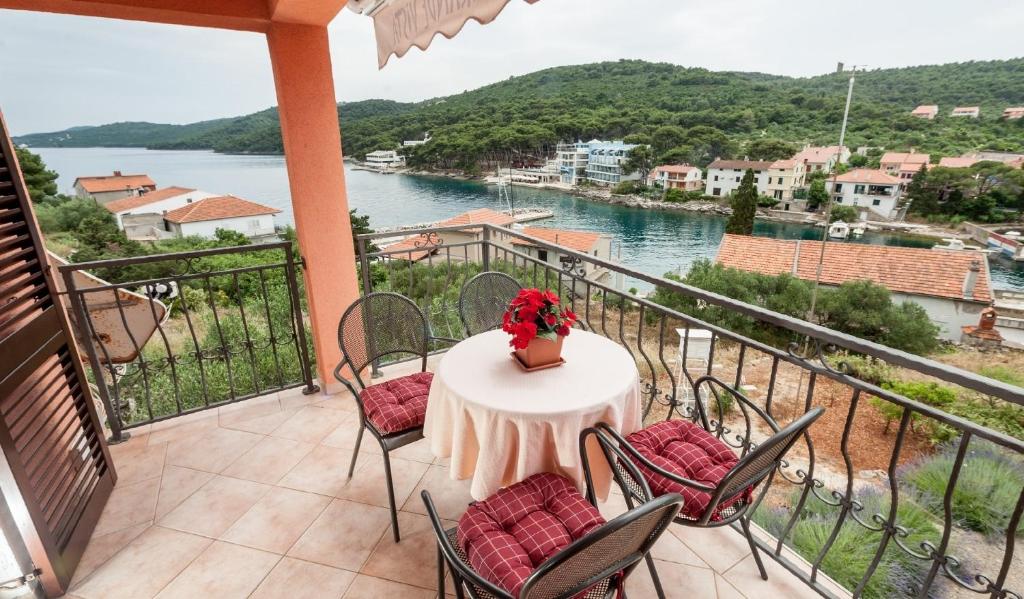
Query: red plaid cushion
688 451
510 534
398 404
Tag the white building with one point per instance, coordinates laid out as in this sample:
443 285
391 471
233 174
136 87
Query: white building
385 159
572 162
822 159
416 142
107 188
953 286
874 193
202 218
677 176
724 176
604 162
154 202
587 242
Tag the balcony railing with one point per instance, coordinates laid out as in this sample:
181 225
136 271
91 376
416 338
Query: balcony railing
866 498
229 326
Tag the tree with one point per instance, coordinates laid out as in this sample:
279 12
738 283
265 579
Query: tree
857 161
923 199
866 310
744 207
361 226
640 160
41 182
847 214
770 149
666 137
230 237
817 194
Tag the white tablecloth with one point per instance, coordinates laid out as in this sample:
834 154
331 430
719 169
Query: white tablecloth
500 424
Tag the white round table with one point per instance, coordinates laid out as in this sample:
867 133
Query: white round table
500 424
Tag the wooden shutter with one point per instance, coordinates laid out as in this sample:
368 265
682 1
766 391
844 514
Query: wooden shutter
60 474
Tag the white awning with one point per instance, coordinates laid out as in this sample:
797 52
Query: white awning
402 24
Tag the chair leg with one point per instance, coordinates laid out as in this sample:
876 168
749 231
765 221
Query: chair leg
745 523
391 497
654 576
355 452
440 573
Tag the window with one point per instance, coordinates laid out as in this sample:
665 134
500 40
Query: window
542 255
839 199
839 187
786 207
876 202
778 194
716 177
737 179
769 180
858 189
716 191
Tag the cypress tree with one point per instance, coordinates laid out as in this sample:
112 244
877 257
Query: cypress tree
744 207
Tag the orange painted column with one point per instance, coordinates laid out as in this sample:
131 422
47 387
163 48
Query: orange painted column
301 59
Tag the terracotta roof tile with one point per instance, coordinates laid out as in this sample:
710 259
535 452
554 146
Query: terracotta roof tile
866 175
114 183
904 158
147 198
819 155
478 217
916 271
957 161
217 208
581 241
674 168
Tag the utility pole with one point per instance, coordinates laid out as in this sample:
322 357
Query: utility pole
828 205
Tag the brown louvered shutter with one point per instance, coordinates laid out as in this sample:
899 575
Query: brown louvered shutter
60 472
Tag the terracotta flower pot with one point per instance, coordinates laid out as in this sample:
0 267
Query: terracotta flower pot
541 352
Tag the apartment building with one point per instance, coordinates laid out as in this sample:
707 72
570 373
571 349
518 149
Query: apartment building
724 176
784 176
677 176
903 165
822 159
874 193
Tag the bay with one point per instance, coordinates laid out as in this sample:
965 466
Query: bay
651 241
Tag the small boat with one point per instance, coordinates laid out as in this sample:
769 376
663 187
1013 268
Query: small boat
958 245
838 230
858 230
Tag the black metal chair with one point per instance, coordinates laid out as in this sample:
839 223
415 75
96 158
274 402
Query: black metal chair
484 299
733 496
374 326
597 563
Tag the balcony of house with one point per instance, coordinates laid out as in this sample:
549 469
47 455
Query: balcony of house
233 479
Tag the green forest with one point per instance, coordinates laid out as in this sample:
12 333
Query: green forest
689 114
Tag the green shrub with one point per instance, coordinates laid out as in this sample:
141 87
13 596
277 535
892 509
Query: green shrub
767 202
625 188
855 546
674 195
986 492
1003 373
868 369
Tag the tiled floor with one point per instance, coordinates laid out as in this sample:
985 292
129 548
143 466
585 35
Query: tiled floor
252 501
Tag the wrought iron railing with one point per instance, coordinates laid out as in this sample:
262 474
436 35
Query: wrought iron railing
227 324
870 498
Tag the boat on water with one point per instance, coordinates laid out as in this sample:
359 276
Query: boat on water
959 245
838 230
858 230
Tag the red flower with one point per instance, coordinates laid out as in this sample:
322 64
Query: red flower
550 319
533 308
562 330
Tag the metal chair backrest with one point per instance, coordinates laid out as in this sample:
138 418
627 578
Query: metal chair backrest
617 546
712 392
381 324
763 459
484 299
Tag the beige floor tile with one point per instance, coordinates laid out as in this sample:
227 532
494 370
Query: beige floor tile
339 401
129 505
102 548
177 484
296 579
679 581
418 452
343 536
614 506
293 398
721 548
450 497
215 507
670 549
369 587
145 566
369 485
322 471
725 589
183 427
211 451
248 409
262 425
141 463
345 433
745 577
277 520
413 560
310 424
268 460
224 571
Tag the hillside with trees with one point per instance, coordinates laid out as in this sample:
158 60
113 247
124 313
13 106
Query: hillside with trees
686 114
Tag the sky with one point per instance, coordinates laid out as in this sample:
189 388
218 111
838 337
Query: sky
59 71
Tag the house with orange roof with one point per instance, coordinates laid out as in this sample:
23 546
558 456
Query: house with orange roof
587 242
904 165
1013 113
822 159
677 176
414 248
925 111
958 161
784 176
203 217
142 209
967 111
874 193
953 286
107 188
